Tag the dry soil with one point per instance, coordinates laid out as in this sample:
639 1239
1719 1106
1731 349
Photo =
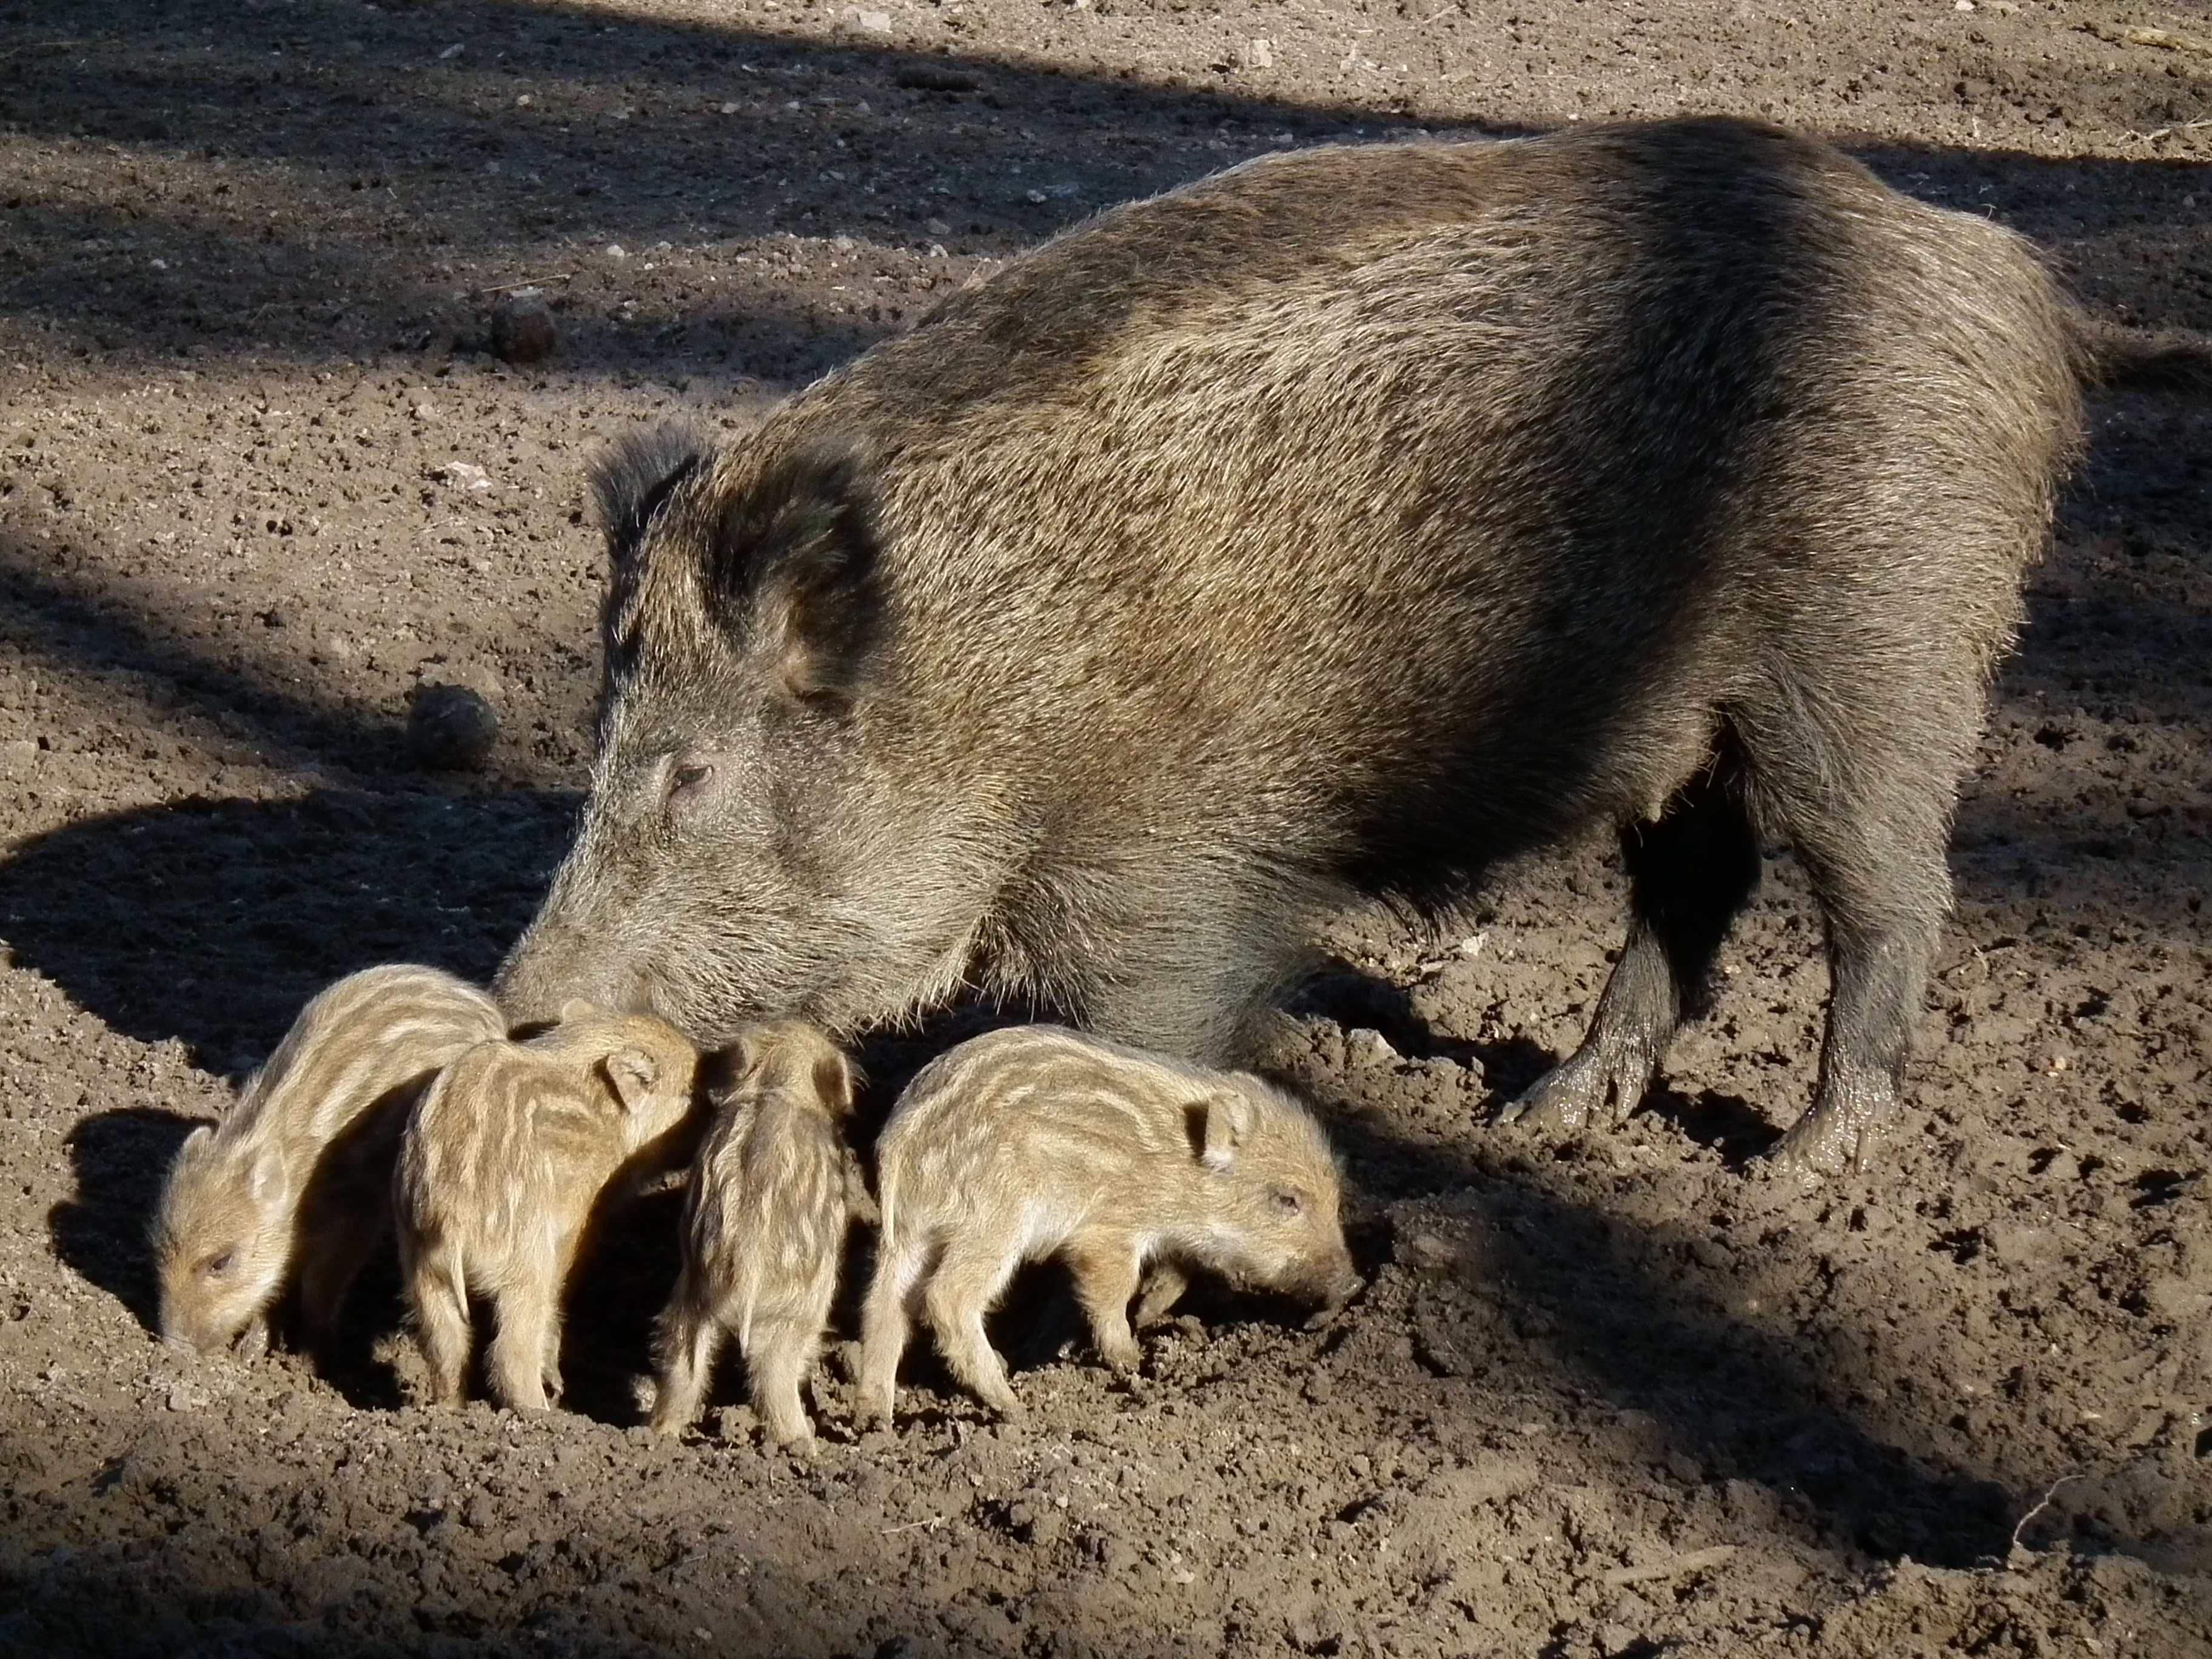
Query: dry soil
1609 1396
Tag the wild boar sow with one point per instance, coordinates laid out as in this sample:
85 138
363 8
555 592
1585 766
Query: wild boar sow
1336 527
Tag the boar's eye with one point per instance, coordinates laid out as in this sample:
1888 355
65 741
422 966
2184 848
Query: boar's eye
688 779
219 1264
824 703
1284 1202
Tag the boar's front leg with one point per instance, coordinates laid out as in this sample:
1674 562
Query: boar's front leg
1106 1273
1690 870
1189 964
438 1295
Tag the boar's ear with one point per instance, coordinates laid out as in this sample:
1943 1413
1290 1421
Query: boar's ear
795 575
633 480
631 1074
193 1148
723 1072
575 1008
1224 1121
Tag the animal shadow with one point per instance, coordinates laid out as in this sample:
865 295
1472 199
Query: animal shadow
1354 999
213 920
120 1159
1727 1124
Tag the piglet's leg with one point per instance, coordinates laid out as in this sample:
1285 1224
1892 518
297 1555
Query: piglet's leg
1105 1278
689 1333
1164 1284
886 1318
968 1280
524 1350
777 1362
329 1270
439 1299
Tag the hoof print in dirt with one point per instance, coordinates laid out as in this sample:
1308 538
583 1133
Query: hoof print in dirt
450 728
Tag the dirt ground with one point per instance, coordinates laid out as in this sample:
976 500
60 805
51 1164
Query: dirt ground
1614 1396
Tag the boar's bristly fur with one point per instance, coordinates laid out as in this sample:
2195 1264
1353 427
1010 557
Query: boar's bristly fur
1334 529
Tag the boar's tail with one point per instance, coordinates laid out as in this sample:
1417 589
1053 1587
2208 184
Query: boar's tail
2111 358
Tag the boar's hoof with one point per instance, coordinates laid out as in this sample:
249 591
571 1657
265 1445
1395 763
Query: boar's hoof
1006 1408
1589 1083
1838 1137
871 1410
1122 1358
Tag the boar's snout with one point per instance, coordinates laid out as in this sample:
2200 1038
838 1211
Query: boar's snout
1331 1284
544 973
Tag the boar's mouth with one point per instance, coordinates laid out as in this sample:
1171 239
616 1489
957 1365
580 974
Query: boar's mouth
1329 1290
540 975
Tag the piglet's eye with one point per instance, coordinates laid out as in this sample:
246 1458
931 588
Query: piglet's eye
217 1266
1285 1201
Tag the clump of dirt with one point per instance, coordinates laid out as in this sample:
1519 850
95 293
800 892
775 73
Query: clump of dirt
271 465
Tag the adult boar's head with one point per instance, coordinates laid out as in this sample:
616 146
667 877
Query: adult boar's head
764 833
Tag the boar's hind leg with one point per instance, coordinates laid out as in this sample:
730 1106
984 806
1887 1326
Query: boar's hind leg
886 1317
684 1345
1863 781
968 1280
523 1362
438 1295
1690 870
778 1361
1883 887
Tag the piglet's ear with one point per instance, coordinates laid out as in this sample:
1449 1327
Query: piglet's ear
833 1083
576 1008
1227 1119
631 1074
270 1181
794 577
